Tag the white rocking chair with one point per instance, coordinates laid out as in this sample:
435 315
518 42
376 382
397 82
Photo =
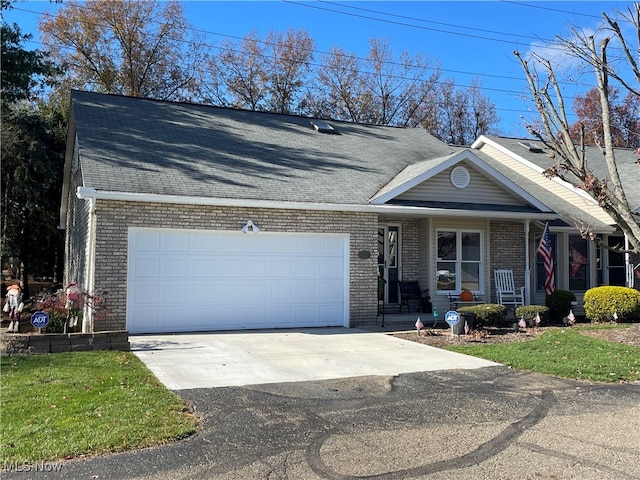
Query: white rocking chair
506 291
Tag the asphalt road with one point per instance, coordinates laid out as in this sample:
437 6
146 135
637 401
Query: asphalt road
488 423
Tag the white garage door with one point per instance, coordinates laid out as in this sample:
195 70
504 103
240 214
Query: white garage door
186 280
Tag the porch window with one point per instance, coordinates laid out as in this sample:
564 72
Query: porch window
579 278
459 264
616 262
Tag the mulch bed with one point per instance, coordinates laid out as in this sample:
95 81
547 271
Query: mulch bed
443 338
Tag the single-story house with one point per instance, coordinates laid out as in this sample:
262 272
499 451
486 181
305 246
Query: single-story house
199 218
578 263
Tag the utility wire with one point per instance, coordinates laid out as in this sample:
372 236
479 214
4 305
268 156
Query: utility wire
504 77
402 24
521 4
386 62
416 19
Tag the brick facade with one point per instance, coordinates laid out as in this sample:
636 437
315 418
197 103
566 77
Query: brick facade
113 219
507 251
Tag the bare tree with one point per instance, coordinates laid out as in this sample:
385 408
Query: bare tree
379 89
289 58
238 74
339 94
140 49
460 115
592 50
257 74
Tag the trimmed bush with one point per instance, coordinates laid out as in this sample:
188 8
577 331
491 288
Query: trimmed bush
600 303
486 314
529 312
559 303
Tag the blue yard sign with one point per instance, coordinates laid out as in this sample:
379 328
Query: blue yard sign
39 319
451 317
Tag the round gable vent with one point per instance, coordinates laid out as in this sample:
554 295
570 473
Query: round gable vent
460 177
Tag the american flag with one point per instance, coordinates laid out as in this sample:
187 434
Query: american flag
544 250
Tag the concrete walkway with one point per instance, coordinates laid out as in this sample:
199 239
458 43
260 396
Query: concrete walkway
221 359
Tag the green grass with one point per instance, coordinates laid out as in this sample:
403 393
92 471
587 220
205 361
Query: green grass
565 353
69 404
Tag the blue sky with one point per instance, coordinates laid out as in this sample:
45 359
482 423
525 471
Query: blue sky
469 39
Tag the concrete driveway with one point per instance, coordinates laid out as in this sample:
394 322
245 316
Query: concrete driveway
223 359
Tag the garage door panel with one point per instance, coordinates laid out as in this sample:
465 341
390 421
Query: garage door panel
281 267
146 267
282 292
200 293
331 245
176 267
146 320
232 266
201 242
330 291
185 280
173 293
257 267
170 318
307 246
306 291
327 312
145 294
202 266
175 242
305 267
331 268
147 241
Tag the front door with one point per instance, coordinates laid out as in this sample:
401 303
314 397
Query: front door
388 263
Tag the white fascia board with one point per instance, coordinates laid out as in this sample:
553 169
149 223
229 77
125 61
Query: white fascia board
89 193
457 158
482 140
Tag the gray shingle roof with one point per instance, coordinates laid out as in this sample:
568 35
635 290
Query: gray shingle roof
567 210
626 159
137 145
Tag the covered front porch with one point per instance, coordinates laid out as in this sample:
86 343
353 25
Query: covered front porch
447 255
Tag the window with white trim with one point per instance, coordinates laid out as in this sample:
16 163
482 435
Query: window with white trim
459 263
579 278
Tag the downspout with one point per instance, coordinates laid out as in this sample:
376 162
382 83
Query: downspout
87 314
527 265
627 263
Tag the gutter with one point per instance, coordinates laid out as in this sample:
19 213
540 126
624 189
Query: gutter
90 193
87 314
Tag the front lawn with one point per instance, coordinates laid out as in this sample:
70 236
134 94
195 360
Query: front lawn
69 404
565 353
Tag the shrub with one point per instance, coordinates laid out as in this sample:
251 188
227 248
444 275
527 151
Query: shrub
559 303
486 314
56 323
600 303
529 312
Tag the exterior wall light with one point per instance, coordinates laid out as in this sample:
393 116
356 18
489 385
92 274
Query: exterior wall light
250 227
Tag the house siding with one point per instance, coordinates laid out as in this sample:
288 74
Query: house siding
77 238
113 219
480 189
552 186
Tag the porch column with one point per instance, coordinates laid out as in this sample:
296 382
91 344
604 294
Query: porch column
527 267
